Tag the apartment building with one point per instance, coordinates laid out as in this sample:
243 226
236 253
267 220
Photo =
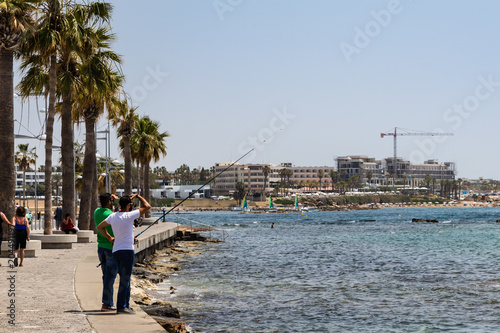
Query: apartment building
381 171
252 175
367 168
300 174
416 173
32 178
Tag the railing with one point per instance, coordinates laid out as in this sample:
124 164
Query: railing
39 224
209 227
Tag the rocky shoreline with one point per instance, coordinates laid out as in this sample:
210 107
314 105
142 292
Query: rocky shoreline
156 269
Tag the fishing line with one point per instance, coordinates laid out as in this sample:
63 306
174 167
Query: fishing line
211 179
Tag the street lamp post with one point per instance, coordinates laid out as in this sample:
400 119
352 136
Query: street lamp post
107 174
36 193
107 152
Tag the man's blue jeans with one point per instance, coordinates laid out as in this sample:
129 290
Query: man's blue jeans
125 261
109 271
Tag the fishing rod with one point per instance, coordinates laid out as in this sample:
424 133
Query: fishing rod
202 186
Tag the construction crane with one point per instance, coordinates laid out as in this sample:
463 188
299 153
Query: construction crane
396 134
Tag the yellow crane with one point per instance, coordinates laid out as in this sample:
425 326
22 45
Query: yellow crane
406 132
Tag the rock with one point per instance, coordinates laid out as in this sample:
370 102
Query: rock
155 278
171 325
140 271
162 310
424 220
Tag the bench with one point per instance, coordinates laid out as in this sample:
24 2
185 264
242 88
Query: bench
83 236
29 252
56 241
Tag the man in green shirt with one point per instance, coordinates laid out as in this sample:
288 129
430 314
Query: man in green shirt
104 251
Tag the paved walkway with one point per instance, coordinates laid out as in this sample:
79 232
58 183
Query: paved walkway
44 297
60 291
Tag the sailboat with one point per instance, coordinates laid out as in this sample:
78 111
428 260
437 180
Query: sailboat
296 203
271 206
244 206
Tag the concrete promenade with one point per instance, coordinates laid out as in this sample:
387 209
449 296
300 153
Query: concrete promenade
60 291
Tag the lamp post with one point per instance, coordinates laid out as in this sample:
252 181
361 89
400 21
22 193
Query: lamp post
107 174
107 153
36 193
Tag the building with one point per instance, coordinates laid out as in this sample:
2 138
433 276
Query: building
367 168
252 175
32 179
301 175
381 172
177 192
416 173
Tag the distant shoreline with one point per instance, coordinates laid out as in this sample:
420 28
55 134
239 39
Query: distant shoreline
208 205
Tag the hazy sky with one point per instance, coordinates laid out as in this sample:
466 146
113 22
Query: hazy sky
324 78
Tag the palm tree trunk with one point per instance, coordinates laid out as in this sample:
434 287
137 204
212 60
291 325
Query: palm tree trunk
128 165
68 158
89 169
147 192
7 162
49 133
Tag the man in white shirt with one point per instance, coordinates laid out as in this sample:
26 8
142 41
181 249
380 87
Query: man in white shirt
122 223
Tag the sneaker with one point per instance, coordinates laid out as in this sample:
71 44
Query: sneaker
108 308
15 262
126 311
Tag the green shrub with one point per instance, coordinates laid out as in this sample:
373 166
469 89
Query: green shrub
162 202
284 202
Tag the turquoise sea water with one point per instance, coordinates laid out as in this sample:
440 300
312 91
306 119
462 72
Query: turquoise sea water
328 272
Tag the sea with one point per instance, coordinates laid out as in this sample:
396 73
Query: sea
349 271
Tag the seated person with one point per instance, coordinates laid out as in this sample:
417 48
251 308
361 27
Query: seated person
68 226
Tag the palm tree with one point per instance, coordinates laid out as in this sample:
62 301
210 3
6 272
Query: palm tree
282 174
239 194
335 176
266 170
24 158
428 181
56 180
320 175
459 183
89 79
369 176
288 174
41 50
125 118
454 187
341 186
354 181
184 174
434 183
443 187
15 19
149 145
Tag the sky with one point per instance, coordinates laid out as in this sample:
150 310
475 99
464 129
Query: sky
306 81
